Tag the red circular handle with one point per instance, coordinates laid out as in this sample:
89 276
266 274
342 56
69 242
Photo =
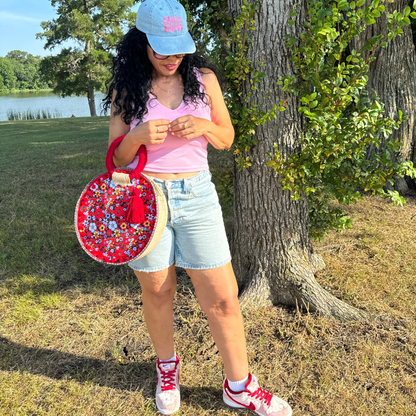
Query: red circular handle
109 164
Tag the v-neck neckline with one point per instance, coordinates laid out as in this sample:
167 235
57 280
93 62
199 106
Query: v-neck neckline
172 109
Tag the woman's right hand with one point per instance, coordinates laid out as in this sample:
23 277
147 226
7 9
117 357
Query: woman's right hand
150 132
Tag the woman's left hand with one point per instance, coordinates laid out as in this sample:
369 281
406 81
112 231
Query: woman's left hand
188 127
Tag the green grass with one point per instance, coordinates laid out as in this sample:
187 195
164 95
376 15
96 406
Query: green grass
73 339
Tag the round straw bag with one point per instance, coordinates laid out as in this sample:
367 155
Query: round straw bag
121 214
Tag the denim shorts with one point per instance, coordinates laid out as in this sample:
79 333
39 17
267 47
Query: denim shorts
195 236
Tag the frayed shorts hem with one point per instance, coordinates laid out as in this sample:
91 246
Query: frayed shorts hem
191 266
150 269
183 265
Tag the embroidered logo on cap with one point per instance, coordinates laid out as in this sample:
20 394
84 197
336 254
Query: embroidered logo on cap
172 23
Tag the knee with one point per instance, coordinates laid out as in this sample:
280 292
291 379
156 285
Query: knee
159 295
158 288
226 306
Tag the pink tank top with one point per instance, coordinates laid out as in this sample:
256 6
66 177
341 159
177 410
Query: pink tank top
175 154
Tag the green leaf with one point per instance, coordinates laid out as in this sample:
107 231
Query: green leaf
343 4
369 20
361 2
406 11
413 15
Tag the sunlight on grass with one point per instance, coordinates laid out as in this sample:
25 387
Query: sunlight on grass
26 297
24 309
25 283
21 391
53 300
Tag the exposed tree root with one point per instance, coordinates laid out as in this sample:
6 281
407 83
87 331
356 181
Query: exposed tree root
298 288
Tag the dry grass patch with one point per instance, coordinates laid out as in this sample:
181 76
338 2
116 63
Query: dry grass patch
373 265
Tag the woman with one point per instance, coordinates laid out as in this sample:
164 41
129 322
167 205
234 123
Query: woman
166 97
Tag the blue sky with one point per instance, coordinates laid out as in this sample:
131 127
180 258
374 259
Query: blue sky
20 21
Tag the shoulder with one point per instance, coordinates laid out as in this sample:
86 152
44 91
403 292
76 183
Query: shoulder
208 76
209 79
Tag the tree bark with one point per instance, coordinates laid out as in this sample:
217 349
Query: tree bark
91 100
90 93
391 75
272 255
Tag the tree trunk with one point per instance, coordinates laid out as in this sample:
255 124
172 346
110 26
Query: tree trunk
272 254
90 93
391 75
91 101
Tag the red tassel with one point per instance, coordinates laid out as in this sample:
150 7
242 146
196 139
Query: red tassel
135 211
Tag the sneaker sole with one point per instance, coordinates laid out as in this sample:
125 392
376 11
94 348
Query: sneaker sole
232 404
164 412
237 406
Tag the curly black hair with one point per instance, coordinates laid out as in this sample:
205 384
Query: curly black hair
131 77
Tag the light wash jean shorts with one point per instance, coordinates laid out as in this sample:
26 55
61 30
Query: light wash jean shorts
195 236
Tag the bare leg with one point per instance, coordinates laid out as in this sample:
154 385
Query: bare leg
217 294
158 290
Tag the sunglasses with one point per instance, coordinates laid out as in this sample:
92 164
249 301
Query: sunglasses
162 57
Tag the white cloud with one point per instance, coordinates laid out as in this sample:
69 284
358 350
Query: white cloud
7 17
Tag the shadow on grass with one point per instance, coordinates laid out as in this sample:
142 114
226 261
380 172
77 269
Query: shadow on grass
58 365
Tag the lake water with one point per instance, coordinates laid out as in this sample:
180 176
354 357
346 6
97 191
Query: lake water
66 107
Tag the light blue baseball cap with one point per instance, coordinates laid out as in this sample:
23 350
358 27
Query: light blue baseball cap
164 22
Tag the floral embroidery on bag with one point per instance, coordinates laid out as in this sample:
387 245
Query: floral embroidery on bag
103 230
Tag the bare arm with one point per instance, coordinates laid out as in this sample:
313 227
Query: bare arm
221 131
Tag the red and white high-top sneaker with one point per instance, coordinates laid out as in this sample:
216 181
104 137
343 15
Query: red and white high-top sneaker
168 397
255 398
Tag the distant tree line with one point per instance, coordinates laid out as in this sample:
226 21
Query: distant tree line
20 71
